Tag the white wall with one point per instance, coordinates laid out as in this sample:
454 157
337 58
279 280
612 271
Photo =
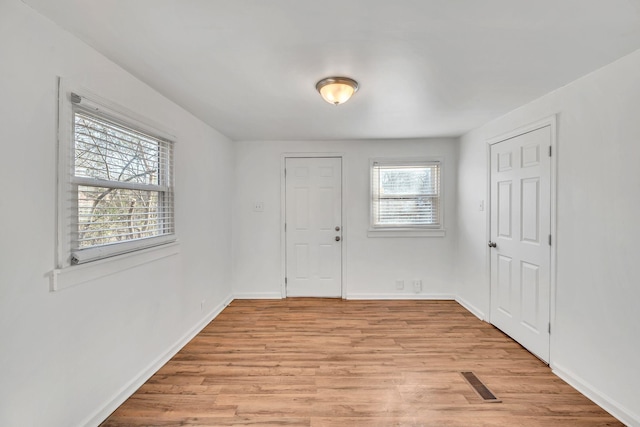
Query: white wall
372 264
65 355
595 339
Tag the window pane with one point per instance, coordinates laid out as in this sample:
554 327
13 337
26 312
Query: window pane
107 215
407 180
104 150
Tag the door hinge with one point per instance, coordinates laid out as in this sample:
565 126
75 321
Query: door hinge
285 227
285 171
549 151
549 328
285 280
549 239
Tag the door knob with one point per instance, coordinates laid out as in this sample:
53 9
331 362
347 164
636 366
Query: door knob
337 228
337 238
492 244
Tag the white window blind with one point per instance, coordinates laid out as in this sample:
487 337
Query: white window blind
405 194
121 186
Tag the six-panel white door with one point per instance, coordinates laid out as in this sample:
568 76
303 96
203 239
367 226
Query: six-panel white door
520 230
313 221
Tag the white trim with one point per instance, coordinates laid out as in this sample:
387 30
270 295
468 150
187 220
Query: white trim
625 415
62 278
521 130
403 296
65 180
470 308
283 218
487 239
550 121
283 210
257 295
409 231
553 122
82 256
125 392
63 171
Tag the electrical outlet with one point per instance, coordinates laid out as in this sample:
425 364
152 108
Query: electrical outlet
258 207
417 286
481 205
399 284
202 305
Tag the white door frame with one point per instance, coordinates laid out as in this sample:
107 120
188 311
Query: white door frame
547 121
283 210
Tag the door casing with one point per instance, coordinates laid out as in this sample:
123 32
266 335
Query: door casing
283 210
550 121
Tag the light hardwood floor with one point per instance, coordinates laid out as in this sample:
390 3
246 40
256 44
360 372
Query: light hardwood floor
323 362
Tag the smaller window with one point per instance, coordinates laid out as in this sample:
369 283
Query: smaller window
405 195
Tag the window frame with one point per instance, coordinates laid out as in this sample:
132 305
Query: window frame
71 98
409 230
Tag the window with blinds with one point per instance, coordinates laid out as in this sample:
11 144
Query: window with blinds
405 194
121 183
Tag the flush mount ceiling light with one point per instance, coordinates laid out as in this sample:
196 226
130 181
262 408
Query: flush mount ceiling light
337 90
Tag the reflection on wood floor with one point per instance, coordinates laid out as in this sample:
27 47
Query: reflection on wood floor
330 362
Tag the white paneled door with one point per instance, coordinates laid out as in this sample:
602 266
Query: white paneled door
313 226
520 238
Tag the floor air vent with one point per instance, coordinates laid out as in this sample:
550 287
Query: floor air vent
479 387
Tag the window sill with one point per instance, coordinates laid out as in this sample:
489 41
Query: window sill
405 232
62 278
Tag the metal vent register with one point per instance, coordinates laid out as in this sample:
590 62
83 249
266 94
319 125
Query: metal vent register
479 387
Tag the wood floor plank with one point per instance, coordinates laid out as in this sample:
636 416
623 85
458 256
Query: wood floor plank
328 362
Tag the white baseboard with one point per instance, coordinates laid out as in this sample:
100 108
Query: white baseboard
623 414
407 296
471 308
133 385
258 295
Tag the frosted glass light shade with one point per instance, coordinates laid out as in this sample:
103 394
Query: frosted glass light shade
337 90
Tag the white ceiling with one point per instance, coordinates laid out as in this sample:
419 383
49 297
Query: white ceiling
425 67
